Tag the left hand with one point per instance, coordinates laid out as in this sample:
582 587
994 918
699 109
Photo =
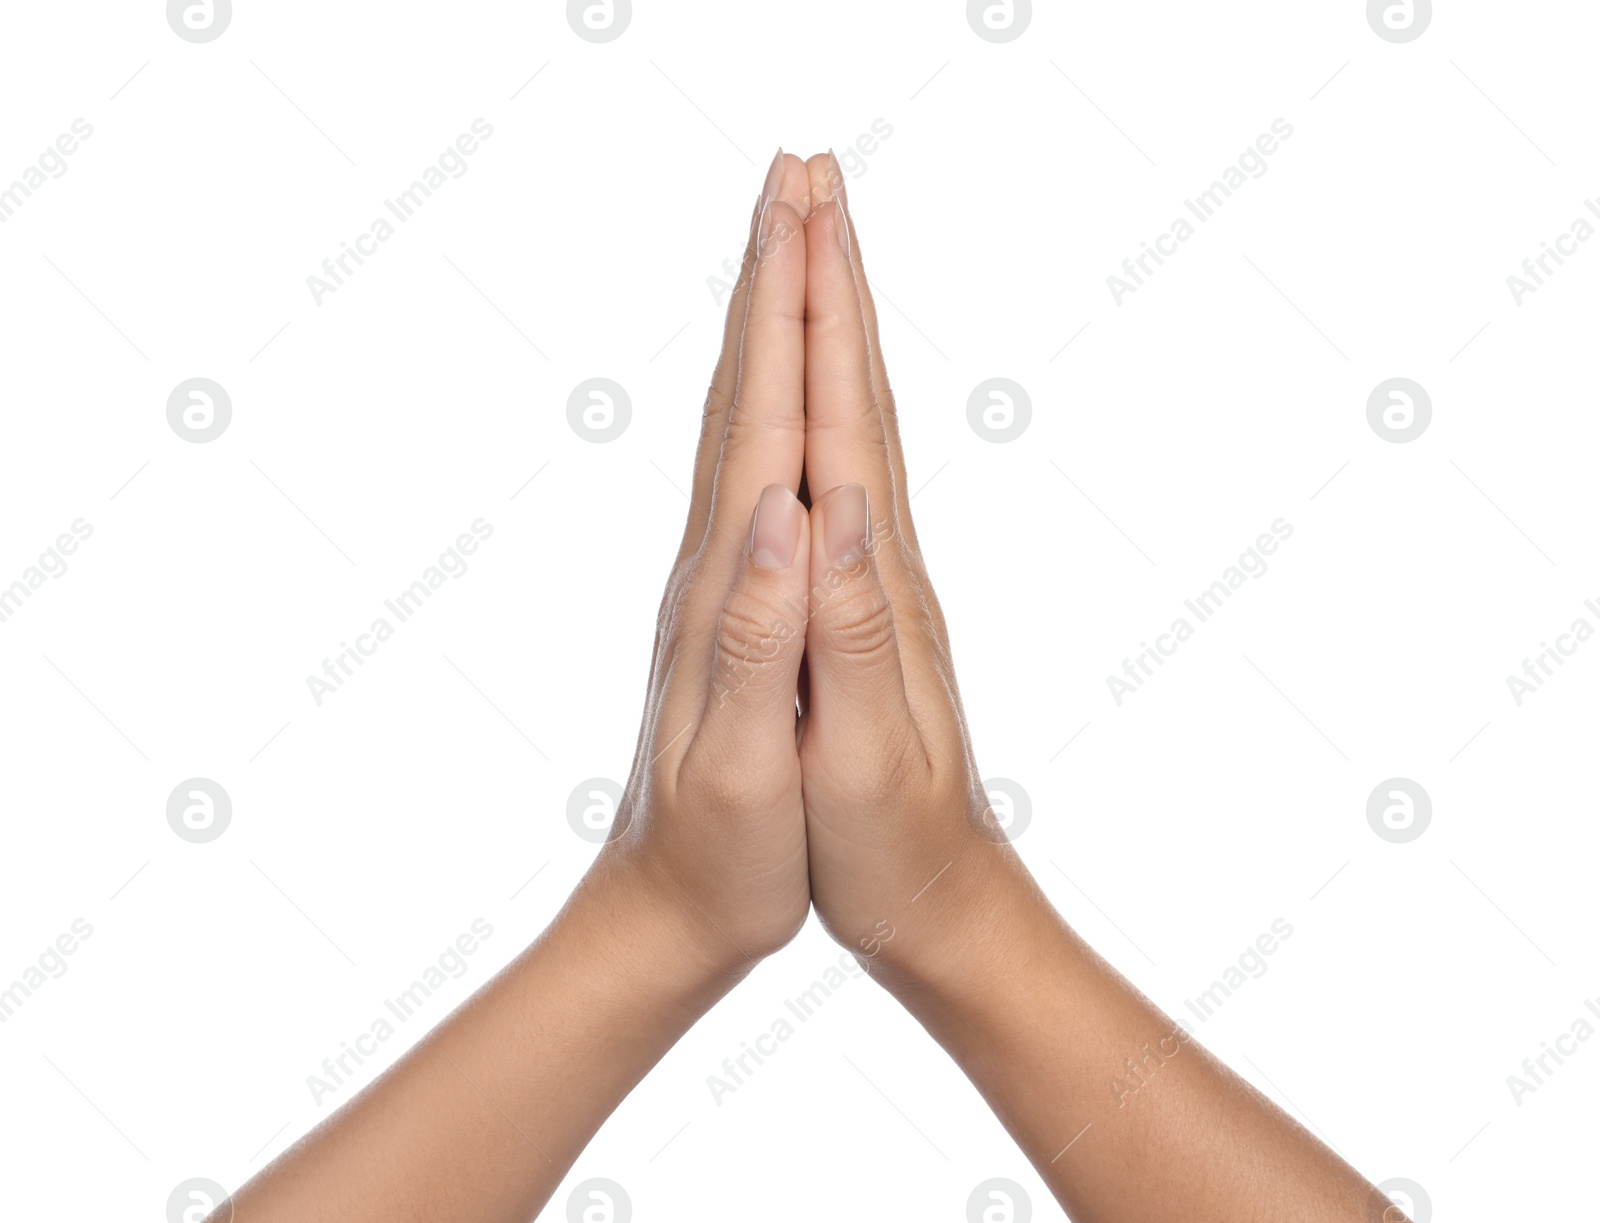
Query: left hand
711 822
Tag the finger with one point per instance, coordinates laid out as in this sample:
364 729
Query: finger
839 298
786 180
856 685
764 439
749 712
848 441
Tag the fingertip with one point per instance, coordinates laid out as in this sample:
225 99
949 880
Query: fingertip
779 222
775 175
823 185
780 214
790 182
828 230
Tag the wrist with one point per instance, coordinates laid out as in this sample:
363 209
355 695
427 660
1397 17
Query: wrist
654 935
990 928
569 1028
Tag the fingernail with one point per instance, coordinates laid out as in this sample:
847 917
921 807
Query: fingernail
841 228
774 178
775 530
836 181
847 524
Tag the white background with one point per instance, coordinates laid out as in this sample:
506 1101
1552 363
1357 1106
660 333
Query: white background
372 429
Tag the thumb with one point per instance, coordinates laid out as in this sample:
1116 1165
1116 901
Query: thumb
761 633
856 686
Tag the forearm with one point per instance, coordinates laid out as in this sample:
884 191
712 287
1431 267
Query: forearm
1124 1115
482 1119
705 868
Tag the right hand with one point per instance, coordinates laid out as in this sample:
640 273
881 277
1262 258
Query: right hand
901 836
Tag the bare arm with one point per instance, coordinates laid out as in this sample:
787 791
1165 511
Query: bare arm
483 1118
705 872
1126 1118
1124 1115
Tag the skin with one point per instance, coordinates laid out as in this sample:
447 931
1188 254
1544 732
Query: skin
740 816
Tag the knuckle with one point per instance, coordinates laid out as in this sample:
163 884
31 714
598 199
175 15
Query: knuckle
899 771
723 788
767 404
860 624
753 633
732 793
674 598
885 772
836 318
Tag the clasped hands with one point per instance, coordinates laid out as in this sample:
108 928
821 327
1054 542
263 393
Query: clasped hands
802 741
803 745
